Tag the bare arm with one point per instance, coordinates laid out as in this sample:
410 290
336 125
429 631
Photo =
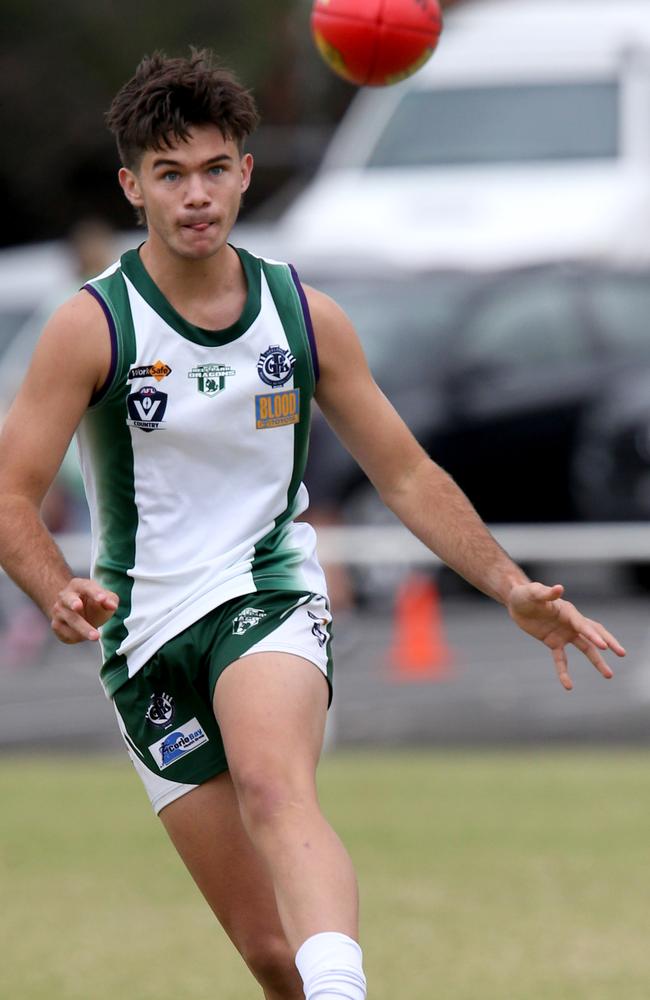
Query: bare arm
417 490
428 501
71 361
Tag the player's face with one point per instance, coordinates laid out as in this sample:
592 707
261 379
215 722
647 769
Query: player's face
190 192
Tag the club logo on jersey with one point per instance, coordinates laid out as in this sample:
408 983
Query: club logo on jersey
161 710
178 744
247 619
317 629
277 409
275 365
211 378
146 408
158 370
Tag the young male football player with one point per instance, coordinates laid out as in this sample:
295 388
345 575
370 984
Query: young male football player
187 370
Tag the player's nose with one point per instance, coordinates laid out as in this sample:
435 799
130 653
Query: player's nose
196 192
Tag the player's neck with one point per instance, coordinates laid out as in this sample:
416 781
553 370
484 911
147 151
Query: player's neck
209 292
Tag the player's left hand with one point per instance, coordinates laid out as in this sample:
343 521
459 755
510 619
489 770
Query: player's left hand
540 611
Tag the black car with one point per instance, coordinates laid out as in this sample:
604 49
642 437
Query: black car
495 374
612 455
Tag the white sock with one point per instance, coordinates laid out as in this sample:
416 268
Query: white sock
331 967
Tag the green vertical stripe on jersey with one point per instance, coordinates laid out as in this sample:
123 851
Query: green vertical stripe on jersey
274 563
289 308
116 299
110 439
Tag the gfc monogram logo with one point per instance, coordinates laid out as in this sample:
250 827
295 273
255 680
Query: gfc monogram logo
275 365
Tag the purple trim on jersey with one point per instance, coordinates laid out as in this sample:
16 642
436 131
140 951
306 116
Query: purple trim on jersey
308 322
99 395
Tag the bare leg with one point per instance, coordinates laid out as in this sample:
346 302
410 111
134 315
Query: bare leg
206 828
271 710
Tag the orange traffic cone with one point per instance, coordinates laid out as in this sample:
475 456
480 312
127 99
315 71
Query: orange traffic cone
420 651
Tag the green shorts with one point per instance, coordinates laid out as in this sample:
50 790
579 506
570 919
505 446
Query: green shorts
165 711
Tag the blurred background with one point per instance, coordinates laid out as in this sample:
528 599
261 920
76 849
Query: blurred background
486 224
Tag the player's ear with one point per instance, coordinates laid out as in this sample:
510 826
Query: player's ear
246 167
131 187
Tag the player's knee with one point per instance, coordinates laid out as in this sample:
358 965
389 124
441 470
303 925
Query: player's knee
271 961
266 798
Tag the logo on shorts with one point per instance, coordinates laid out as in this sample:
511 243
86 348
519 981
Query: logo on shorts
247 619
161 710
146 408
317 629
178 744
211 378
275 365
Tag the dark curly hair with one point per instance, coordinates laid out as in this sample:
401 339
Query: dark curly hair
166 97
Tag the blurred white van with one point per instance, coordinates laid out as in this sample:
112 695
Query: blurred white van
526 136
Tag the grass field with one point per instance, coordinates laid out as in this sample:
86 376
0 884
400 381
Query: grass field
522 876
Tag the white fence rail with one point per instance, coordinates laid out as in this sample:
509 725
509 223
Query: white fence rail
369 545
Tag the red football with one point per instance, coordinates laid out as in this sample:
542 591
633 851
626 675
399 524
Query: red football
376 42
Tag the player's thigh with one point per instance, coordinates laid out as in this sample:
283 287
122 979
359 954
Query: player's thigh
271 700
206 829
271 708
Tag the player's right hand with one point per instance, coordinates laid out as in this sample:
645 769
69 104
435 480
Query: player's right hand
80 609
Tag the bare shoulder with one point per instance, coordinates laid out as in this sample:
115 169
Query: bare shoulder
80 318
336 338
78 332
325 311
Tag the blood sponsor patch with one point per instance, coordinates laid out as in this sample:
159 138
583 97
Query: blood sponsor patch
277 409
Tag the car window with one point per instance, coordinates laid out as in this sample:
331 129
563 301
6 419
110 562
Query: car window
401 323
621 307
530 320
504 124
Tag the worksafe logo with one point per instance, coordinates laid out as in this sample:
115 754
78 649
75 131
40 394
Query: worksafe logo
247 619
211 379
184 740
146 408
158 370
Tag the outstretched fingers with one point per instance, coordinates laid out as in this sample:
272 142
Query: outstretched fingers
562 667
598 634
542 612
594 657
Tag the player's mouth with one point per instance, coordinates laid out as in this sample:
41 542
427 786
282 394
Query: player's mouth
198 227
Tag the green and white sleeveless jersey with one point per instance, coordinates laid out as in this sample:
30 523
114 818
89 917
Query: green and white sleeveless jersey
193 455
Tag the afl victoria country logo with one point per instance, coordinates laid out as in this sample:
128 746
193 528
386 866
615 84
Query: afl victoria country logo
146 408
275 365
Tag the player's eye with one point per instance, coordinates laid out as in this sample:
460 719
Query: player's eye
170 175
215 171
